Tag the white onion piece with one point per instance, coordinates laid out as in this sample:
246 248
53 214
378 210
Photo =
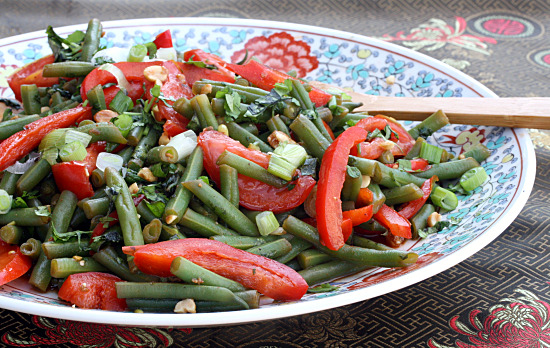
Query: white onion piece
168 53
115 54
106 159
118 74
20 168
184 143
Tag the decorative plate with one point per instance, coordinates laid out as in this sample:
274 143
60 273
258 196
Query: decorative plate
346 60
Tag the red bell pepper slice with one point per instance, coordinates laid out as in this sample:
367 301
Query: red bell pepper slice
265 78
21 143
31 74
173 128
253 194
268 276
364 197
347 228
417 164
329 130
13 264
73 176
210 59
93 150
409 209
92 290
370 149
163 40
331 180
358 216
405 141
393 221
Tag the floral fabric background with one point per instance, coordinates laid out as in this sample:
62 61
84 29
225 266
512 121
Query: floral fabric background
497 298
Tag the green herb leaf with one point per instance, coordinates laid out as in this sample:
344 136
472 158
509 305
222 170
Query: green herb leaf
323 288
157 208
43 211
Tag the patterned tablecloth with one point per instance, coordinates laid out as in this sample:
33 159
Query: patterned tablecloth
497 298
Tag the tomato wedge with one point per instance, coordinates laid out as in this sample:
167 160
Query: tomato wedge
254 194
331 180
195 73
404 143
268 276
13 264
92 290
31 74
73 176
163 40
210 59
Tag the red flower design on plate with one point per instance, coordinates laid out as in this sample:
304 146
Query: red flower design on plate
280 51
503 26
91 335
513 323
467 138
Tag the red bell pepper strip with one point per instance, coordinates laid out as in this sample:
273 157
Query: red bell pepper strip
31 74
163 40
409 209
13 264
21 143
329 130
73 176
369 149
394 222
417 164
253 194
364 197
268 276
173 128
331 180
359 215
194 73
347 228
265 78
210 59
93 290
405 141
93 150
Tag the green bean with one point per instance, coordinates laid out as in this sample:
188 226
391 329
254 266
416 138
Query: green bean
218 106
402 194
140 151
91 40
314 141
162 153
420 220
11 234
330 270
245 137
251 297
203 110
298 245
275 123
449 170
54 250
479 152
135 135
222 207
56 97
31 99
32 176
430 125
204 210
68 69
378 198
414 152
368 243
312 257
325 114
24 217
127 215
96 97
109 259
97 206
98 178
272 250
126 154
244 242
64 267
151 231
341 121
78 218
192 273
178 203
250 169
103 131
184 108
170 233
386 157
31 248
229 186
352 105
248 94
182 291
365 257
366 166
352 184
384 175
10 127
8 182
203 225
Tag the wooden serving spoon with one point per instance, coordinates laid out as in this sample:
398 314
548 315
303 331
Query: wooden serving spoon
504 112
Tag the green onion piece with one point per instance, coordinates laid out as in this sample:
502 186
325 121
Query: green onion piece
404 165
96 97
121 103
5 202
473 178
137 53
74 151
280 167
444 198
124 122
293 153
50 155
267 223
431 153
52 139
74 135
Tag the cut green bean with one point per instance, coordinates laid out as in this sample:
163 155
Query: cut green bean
330 270
248 94
96 97
250 169
420 220
54 250
151 231
368 243
25 217
90 44
140 151
98 206
352 184
378 198
275 123
32 176
298 245
229 185
479 152
103 131
402 194
184 108
203 110
135 135
272 250
98 178
245 137
68 69
163 153
312 257
11 234
366 166
244 242
430 125
449 170
203 225
8 182
314 142
222 207
10 127
31 248
64 267
109 259
31 99
192 273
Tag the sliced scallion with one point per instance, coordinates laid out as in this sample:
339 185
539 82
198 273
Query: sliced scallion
5 202
431 153
137 53
121 103
106 159
50 154
444 198
184 143
124 122
267 223
280 167
73 151
74 135
473 178
52 139
404 165
293 153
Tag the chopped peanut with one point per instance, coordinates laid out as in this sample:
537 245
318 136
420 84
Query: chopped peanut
147 174
156 73
434 218
207 88
186 306
461 156
387 145
365 181
134 188
164 139
390 80
44 109
278 137
77 258
222 128
104 115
